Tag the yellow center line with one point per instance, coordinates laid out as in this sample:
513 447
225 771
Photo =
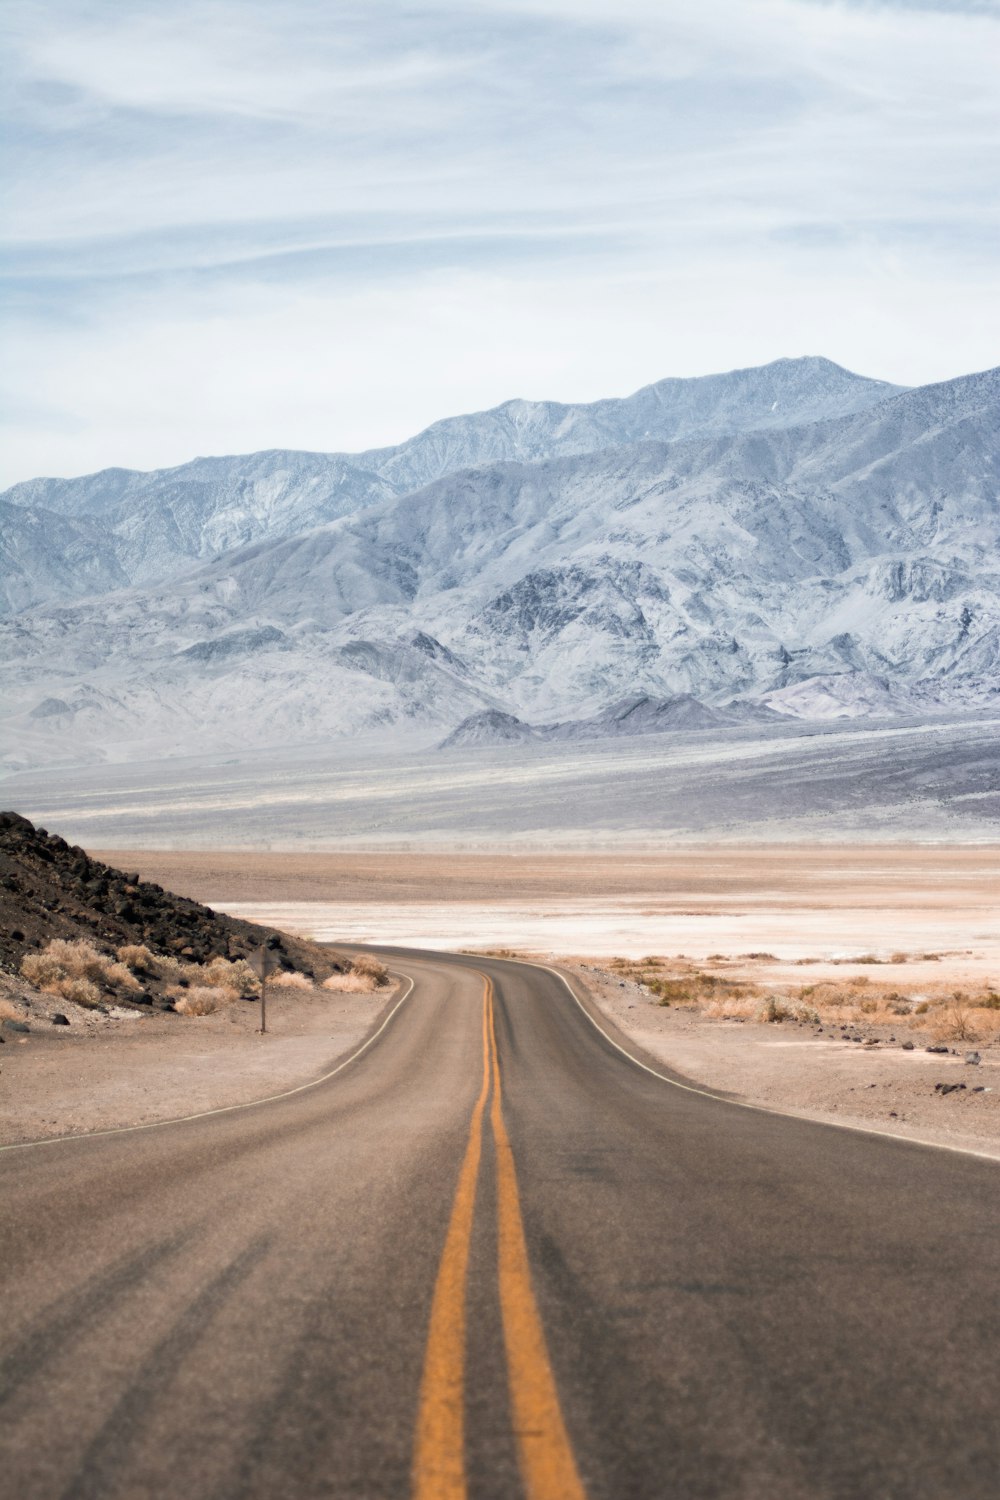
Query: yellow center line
548 1469
439 1451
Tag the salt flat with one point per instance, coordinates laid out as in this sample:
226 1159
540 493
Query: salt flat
796 901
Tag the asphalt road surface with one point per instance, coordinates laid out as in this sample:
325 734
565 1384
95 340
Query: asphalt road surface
494 1257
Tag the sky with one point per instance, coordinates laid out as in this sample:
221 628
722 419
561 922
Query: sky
323 225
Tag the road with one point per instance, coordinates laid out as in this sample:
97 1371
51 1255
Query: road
493 1257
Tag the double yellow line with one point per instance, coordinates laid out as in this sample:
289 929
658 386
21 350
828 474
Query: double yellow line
546 1459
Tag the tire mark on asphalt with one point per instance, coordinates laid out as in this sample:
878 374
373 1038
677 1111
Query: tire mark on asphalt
73 1312
119 1434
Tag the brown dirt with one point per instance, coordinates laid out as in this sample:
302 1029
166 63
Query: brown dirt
113 1069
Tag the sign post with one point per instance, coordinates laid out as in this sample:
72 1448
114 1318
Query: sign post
264 962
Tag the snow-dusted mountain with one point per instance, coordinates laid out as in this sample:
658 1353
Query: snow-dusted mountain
148 528
834 567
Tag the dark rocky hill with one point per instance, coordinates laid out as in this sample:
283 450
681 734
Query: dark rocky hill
52 889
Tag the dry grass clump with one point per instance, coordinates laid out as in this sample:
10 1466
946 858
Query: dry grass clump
10 1012
684 985
371 968
348 984
75 970
137 957
232 974
967 1018
79 991
288 979
365 975
952 1015
203 1000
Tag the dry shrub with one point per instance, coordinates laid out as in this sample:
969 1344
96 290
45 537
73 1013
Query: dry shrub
203 1000
773 1008
349 984
169 967
365 975
218 973
371 968
10 1012
79 991
79 958
63 960
288 979
232 974
137 957
41 969
122 977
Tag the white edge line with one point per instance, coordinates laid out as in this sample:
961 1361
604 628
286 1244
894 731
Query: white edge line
760 1109
224 1109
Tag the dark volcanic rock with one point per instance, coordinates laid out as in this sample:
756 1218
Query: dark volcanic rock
49 889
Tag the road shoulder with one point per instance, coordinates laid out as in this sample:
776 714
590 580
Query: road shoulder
140 1069
790 1068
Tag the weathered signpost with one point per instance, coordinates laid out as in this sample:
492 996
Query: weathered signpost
264 962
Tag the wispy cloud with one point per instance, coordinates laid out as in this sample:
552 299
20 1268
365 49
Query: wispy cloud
238 225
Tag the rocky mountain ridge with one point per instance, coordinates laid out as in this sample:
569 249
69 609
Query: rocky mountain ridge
68 538
839 567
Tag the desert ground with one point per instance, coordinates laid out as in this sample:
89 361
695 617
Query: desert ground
795 901
128 1069
863 949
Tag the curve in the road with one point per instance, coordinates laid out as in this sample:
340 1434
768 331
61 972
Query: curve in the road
489 1255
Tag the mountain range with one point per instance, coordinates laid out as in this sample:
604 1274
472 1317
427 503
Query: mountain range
789 540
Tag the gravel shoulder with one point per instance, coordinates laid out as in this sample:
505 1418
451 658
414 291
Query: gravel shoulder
873 1081
111 1070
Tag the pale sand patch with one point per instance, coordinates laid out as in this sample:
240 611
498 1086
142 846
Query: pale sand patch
132 1071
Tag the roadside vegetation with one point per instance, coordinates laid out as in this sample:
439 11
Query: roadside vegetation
80 973
721 987
365 975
